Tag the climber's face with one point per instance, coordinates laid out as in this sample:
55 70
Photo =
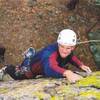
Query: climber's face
65 50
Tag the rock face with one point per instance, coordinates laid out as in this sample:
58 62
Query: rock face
95 46
51 89
36 23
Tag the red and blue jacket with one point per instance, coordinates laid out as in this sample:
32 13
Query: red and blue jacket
48 62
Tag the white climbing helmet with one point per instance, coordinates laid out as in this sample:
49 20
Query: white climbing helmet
67 37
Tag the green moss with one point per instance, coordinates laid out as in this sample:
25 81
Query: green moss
92 93
3 90
55 98
41 95
66 89
93 80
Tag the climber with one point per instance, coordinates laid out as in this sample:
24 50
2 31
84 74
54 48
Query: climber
51 61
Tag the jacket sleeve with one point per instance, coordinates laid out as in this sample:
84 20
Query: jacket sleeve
75 61
51 62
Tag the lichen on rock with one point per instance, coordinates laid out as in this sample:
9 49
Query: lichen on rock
52 89
93 80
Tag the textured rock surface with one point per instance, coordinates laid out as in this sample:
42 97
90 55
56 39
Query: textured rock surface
51 89
95 47
36 23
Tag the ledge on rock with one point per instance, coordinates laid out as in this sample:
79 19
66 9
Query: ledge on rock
52 89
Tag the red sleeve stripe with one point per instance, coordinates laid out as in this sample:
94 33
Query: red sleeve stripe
54 64
76 60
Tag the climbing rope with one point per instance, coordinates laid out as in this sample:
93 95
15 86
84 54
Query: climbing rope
90 41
